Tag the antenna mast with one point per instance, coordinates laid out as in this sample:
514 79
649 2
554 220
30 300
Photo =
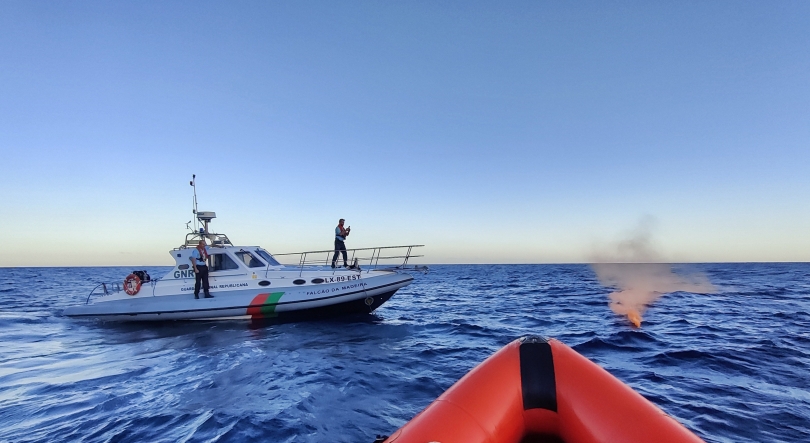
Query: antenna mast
204 217
193 184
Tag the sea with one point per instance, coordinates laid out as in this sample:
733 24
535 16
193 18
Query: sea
732 364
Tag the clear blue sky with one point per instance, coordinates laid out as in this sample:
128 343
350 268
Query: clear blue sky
508 132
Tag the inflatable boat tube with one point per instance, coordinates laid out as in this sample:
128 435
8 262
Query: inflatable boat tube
540 390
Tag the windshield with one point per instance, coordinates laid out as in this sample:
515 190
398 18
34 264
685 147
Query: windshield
267 257
248 259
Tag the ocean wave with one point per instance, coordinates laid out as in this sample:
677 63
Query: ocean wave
730 365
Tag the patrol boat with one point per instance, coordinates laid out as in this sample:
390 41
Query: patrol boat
248 282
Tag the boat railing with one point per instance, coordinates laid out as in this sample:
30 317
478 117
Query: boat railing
193 238
104 289
394 258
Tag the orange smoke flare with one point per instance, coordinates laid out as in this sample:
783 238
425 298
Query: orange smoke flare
634 317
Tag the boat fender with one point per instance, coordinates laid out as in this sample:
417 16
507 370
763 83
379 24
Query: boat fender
132 284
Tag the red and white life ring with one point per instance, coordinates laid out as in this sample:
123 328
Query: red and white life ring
132 284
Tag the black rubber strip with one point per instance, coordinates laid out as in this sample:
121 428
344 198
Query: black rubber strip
537 374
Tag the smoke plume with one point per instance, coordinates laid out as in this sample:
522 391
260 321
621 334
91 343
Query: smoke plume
634 270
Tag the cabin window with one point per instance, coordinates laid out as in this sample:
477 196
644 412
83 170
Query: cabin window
249 260
221 262
267 257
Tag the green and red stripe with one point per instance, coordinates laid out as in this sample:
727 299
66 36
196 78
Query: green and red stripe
264 305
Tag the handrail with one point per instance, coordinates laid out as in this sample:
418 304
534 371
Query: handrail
114 288
353 257
192 238
353 249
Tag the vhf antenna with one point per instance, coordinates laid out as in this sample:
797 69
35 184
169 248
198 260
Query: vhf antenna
193 184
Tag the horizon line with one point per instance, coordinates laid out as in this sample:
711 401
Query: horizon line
469 264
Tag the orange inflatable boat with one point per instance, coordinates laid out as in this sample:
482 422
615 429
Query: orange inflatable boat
538 390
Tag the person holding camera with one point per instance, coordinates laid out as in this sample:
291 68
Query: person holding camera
340 236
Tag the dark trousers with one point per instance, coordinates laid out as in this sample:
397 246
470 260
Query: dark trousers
201 276
339 247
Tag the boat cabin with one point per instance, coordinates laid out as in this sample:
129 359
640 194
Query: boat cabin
223 256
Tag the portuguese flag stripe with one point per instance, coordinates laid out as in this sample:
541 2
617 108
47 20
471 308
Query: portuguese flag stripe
264 305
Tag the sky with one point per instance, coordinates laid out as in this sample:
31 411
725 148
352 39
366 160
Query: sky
490 132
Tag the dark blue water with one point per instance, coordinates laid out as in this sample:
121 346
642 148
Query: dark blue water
732 366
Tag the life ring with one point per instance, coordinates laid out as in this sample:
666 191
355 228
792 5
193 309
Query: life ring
132 284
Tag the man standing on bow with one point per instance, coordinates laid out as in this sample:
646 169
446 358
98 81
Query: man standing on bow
340 236
199 260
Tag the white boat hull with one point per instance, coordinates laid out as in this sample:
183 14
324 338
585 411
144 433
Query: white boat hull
243 298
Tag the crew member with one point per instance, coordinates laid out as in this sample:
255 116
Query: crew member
199 260
340 236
